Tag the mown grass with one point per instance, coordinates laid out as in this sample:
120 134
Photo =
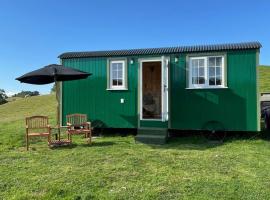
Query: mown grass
264 78
118 168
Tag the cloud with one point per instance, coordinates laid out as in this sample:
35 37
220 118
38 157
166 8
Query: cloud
11 93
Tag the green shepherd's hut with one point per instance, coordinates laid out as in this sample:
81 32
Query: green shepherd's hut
155 90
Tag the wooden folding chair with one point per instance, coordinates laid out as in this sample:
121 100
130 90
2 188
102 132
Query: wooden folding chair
37 126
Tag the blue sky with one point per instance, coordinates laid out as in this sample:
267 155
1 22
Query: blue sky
33 33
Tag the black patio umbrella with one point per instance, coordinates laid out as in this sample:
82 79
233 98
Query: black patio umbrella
53 73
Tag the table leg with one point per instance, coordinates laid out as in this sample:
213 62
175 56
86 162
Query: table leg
59 134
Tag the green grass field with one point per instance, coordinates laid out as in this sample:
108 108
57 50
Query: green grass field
264 78
118 168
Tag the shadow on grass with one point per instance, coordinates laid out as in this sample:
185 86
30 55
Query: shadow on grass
74 145
98 144
188 143
200 142
67 146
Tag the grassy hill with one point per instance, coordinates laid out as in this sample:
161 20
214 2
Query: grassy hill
264 78
119 168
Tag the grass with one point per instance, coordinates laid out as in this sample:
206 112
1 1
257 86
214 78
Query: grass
118 168
264 78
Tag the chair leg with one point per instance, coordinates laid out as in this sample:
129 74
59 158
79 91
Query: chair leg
89 138
27 142
70 138
49 140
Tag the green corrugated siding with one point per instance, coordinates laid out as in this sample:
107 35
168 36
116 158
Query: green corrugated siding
234 108
153 124
91 97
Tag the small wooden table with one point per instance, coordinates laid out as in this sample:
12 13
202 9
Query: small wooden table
58 141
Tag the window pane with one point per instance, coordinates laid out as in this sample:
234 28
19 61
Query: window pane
194 63
120 82
211 71
114 82
212 62
218 80
114 74
201 80
194 80
201 62
212 81
120 66
218 71
120 74
114 66
218 61
195 71
201 71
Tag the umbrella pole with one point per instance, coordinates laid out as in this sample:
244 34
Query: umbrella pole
57 112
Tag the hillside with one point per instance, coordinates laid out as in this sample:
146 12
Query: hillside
22 107
12 118
264 78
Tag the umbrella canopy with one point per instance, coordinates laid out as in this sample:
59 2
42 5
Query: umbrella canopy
52 73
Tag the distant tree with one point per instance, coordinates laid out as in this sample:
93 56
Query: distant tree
3 97
53 88
26 94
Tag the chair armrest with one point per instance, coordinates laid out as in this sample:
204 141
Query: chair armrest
49 128
88 125
69 126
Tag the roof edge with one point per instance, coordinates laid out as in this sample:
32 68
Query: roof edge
163 50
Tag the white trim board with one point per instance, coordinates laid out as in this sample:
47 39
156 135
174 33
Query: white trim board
164 67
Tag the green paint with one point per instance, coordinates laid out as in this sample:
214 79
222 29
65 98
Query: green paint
234 108
157 124
91 96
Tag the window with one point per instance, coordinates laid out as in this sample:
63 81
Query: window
206 72
117 74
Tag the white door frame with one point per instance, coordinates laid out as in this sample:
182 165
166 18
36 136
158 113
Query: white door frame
164 117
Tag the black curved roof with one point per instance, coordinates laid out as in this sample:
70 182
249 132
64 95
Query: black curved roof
165 50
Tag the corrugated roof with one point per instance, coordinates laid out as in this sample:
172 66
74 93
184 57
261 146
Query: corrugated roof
166 50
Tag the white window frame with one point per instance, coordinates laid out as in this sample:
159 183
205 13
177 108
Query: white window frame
206 73
124 76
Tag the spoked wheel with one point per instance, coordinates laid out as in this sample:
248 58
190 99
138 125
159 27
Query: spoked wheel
215 131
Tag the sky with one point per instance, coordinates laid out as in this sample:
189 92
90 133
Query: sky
33 33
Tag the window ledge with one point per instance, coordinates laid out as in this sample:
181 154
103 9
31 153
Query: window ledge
205 88
112 89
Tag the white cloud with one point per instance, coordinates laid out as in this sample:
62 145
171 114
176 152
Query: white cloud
10 93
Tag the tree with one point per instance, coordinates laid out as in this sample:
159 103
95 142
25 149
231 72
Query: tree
53 88
3 97
26 94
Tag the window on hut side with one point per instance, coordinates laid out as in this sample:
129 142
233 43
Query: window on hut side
206 72
117 74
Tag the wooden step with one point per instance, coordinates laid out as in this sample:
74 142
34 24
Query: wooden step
152 135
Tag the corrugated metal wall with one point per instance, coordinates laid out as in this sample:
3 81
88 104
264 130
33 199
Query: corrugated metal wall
234 108
91 97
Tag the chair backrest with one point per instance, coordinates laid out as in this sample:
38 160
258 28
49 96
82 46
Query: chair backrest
37 122
77 119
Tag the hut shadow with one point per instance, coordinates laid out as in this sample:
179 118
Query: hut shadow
61 147
198 142
98 144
